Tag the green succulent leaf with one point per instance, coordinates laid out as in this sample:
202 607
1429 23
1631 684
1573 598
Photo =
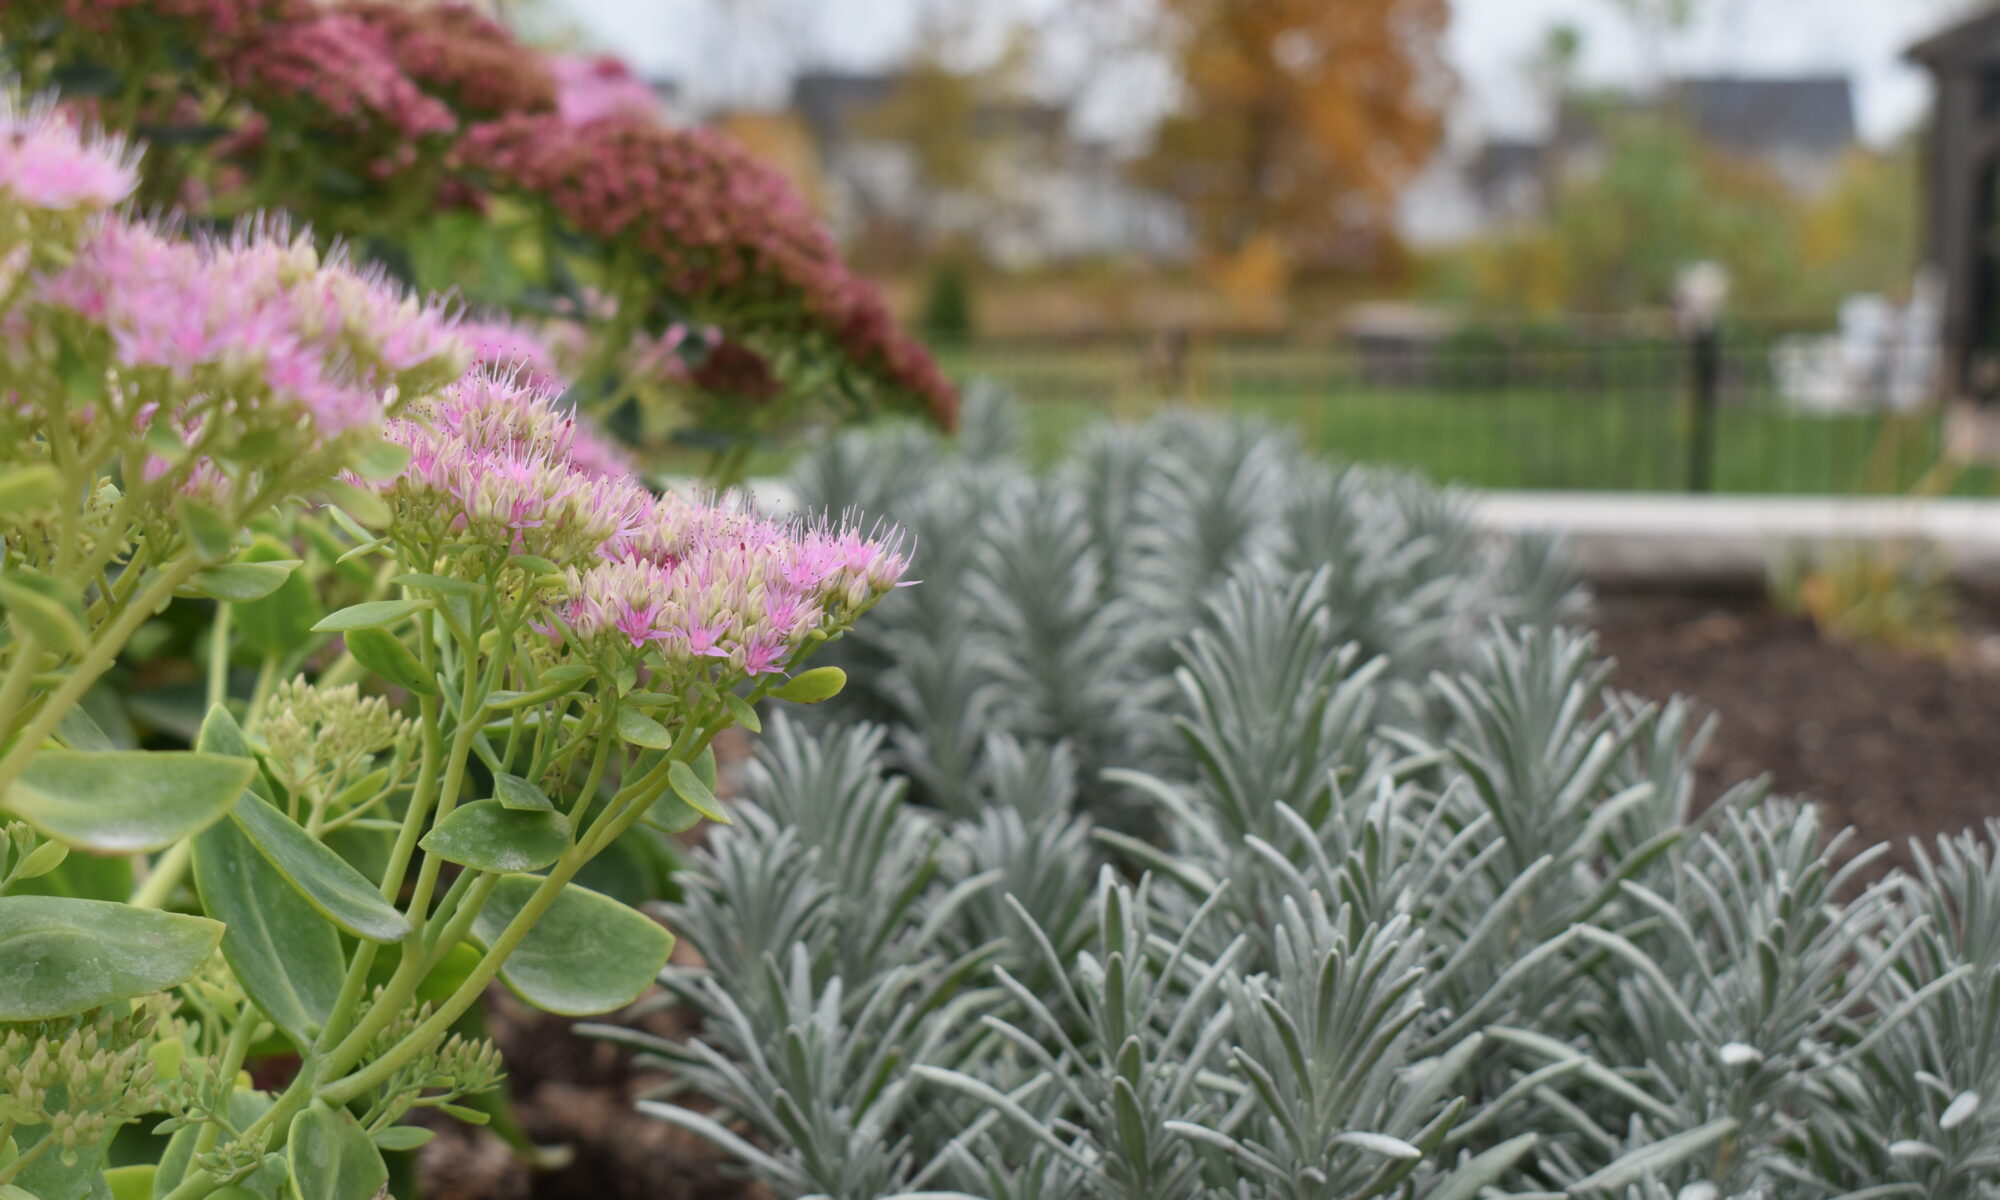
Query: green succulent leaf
29 487
442 585
278 623
516 793
696 792
328 882
371 614
331 1156
242 582
489 836
37 606
812 687
67 956
126 801
385 654
283 952
588 953
209 532
641 730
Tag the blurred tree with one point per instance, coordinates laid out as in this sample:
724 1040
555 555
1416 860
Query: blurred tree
1300 119
945 92
1616 235
947 308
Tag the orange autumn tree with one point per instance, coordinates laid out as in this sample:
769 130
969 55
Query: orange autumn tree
1300 120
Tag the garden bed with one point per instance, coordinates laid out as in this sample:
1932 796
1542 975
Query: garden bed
1897 744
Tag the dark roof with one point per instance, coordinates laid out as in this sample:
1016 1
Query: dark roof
1500 159
829 100
1973 38
1813 112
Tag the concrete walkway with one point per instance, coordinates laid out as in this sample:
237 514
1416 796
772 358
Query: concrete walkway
1627 537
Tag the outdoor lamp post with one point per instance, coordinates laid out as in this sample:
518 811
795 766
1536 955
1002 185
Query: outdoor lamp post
1700 292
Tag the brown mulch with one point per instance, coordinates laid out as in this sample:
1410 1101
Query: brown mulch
573 1097
1897 744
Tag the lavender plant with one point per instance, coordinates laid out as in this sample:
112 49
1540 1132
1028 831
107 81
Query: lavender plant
532 659
1414 904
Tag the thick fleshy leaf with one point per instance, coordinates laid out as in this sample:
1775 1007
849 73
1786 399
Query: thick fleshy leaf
372 614
691 788
278 623
520 795
588 954
130 1183
811 687
242 582
208 531
385 654
489 836
123 801
641 730
341 894
331 1156
36 606
440 585
35 485
64 956
742 712
285 955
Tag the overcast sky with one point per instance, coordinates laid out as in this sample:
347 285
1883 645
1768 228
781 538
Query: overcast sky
1490 42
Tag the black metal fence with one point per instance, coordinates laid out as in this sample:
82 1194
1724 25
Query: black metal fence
1749 411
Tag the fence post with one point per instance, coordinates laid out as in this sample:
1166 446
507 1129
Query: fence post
1705 352
1700 290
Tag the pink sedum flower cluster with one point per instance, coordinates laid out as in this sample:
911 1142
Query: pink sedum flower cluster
698 584
676 584
491 466
343 68
593 87
49 163
257 326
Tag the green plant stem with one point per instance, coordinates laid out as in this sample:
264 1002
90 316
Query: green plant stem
92 666
461 919
260 692
233 1053
8 1172
164 875
20 673
218 655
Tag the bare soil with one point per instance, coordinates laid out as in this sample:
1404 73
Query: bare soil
1897 744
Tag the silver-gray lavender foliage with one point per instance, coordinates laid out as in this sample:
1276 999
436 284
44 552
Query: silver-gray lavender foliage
1215 825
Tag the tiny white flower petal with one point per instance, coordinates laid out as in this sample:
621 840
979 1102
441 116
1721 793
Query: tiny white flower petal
1737 1054
1909 1148
1698 1191
1961 1110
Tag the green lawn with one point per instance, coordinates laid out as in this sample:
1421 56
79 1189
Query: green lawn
1619 436
1629 438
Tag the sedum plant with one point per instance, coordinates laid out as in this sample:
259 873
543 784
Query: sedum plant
530 659
687 287
1386 891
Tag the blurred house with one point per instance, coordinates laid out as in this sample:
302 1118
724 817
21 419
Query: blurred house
1960 206
1799 128
1046 195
